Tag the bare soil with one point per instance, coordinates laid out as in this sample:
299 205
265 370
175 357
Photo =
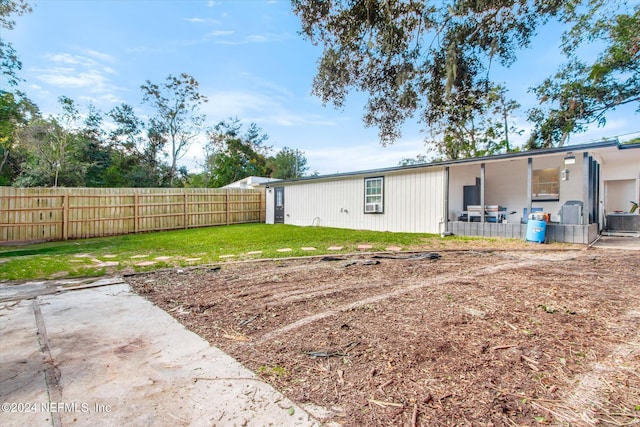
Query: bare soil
474 338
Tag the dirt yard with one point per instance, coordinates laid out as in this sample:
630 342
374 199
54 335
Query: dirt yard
473 338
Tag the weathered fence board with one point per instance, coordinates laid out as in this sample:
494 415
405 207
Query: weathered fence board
37 214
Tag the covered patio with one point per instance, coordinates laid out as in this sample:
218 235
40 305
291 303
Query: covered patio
493 197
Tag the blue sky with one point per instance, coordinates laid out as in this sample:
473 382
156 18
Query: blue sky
250 62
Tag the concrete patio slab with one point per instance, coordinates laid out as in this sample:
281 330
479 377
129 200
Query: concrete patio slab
618 242
105 356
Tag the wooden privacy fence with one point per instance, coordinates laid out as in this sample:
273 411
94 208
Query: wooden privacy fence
36 214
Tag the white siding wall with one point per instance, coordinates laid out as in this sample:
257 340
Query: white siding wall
269 201
413 202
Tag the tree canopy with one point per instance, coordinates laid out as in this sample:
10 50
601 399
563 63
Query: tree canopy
288 163
433 59
234 153
583 91
120 148
176 103
9 62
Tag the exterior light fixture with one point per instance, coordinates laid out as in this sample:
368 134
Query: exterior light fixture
564 174
569 158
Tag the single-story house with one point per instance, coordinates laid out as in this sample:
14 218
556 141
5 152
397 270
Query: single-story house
580 190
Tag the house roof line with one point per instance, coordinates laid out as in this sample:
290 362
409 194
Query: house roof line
530 153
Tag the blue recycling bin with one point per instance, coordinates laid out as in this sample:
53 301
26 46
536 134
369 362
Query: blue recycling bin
536 231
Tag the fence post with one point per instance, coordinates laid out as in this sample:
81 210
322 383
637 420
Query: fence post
65 217
136 212
227 200
186 208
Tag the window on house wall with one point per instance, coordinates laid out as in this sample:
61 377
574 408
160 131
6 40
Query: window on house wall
374 195
546 184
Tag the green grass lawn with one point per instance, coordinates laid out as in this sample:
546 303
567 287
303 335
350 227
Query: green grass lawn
78 258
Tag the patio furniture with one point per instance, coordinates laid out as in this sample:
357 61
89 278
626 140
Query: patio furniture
492 213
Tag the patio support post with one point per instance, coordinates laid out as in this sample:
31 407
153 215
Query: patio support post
598 205
446 200
482 175
586 164
529 185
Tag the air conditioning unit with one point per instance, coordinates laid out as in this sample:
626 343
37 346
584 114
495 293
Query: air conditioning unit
623 222
373 207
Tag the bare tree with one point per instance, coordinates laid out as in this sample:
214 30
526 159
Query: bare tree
177 102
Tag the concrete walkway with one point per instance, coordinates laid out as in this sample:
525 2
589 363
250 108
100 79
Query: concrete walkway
104 356
617 242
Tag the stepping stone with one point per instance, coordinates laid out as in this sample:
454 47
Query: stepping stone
82 255
192 259
284 250
335 248
145 263
112 264
109 256
393 248
226 256
364 247
254 253
163 258
308 248
139 256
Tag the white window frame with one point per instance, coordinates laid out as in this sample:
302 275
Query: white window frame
374 195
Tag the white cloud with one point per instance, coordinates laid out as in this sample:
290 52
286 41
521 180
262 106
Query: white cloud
219 33
255 38
360 157
259 107
64 58
86 75
197 20
100 56
144 49
66 77
106 99
90 58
